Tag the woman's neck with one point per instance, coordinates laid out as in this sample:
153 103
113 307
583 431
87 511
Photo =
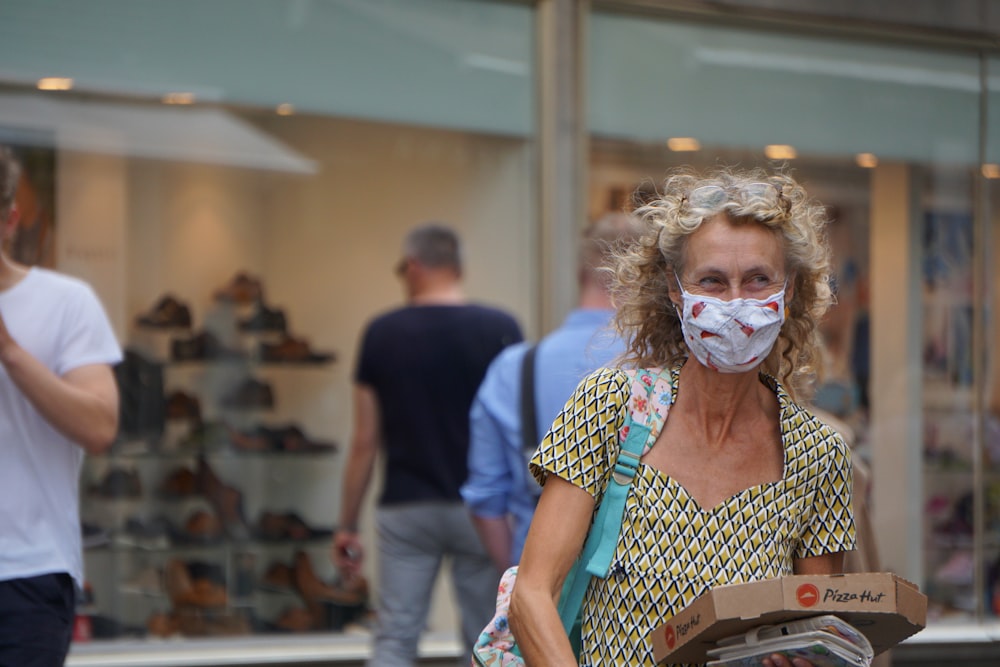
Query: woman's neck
720 405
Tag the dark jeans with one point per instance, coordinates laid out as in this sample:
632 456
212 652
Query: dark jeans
36 620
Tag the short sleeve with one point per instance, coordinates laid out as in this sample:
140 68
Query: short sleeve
363 371
87 336
583 440
830 528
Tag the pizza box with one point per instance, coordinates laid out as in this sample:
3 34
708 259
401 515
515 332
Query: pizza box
884 607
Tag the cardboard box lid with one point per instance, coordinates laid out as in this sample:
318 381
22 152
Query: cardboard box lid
883 606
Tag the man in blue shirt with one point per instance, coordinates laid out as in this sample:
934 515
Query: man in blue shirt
500 492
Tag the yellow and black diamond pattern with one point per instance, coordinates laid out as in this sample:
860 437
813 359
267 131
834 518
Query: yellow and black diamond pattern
671 550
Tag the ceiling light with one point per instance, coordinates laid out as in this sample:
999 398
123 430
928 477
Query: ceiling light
683 144
55 83
866 160
178 98
991 170
285 109
780 152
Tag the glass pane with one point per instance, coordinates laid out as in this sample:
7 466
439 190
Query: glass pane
234 179
887 137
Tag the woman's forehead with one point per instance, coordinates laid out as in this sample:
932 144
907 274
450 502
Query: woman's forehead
718 243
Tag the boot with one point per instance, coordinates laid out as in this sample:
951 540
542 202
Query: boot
227 501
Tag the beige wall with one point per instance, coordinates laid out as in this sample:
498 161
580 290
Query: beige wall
324 246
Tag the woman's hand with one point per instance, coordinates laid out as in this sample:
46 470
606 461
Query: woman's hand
778 660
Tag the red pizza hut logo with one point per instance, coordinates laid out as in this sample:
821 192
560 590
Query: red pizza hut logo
807 595
670 637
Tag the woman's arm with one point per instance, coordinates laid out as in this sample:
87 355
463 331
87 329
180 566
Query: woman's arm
555 539
824 564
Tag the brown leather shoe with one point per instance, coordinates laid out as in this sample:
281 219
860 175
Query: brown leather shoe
243 289
272 526
312 588
203 346
177 580
253 441
295 619
279 577
264 319
162 625
179 483
184 591
293 439
181 405
168 312
249 395
202 526
227 501
291 350
198 622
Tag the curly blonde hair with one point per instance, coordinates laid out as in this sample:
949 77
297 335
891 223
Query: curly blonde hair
644 272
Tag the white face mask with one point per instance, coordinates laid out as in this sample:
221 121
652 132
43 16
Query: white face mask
731 336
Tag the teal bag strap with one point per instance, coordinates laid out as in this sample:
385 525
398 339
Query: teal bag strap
599 549
603 537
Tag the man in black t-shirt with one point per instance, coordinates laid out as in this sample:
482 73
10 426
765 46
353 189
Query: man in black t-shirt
417 372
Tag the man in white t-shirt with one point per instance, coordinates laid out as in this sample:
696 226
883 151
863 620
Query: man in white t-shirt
58 401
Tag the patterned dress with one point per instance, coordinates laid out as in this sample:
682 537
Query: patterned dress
671 550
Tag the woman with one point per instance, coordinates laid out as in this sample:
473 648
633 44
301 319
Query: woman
723 293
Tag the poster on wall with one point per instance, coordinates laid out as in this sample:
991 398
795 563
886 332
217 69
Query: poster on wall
33 242
948 303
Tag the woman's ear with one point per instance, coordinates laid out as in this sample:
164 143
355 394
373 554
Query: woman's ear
674 289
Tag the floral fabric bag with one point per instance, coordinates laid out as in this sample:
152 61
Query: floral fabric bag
496 646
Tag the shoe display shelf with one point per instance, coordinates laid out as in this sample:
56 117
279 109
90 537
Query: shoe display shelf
226 519
216 488
961 553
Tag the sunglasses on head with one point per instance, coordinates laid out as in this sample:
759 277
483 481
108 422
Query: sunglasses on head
714 196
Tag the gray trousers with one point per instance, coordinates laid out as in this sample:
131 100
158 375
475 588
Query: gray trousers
413 539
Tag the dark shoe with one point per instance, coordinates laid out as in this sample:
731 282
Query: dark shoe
181 405
250 394
264 319
273 526
119 483
205 436
256 441
180 483
167 313
279 439
204 346
293 439
146 534
93 536
291 350
243 289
